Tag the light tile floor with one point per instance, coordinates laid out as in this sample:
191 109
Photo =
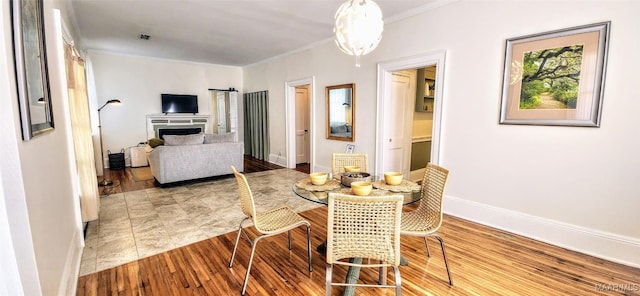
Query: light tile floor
138 224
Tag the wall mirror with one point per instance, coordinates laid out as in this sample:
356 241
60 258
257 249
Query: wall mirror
224 111
341 102
32 76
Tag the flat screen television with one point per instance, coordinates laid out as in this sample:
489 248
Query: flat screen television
179 103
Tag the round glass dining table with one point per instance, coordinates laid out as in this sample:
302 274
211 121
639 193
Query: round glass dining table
321 194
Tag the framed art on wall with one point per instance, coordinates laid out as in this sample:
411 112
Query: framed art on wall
350 148
31 67
555 78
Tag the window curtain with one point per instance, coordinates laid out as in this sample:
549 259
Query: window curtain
81 133
256 124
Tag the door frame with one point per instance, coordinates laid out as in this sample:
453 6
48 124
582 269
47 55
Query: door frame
385 71
290 121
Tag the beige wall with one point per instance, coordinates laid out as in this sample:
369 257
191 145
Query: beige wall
422 124
571 186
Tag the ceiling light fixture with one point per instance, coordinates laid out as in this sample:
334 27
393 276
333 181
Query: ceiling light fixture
358 27
145 36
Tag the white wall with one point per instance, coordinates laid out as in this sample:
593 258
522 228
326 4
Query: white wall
572 186
36 176
138 83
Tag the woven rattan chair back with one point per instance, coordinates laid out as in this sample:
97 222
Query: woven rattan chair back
246 196
434 181
364 227
427 218
271 222
340 160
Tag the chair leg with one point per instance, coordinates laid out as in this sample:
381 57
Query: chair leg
396 271
235 247
327 288
289 239
427 245
309 247
444 255
246 277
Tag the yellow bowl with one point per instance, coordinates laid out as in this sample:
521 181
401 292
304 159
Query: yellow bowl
351 168
318 178
361 188
393 178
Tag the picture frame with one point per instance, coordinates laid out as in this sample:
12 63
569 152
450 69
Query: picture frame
32 76
555 78
350 148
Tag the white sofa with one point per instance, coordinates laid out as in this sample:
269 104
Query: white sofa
195 156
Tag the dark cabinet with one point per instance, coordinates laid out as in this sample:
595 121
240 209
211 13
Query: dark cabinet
116 160
425 89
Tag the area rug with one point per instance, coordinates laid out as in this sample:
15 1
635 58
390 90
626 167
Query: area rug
142 173
137 224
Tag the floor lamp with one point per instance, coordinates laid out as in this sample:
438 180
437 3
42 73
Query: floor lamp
105 181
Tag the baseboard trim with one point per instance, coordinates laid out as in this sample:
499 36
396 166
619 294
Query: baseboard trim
69 279
278 159
609 246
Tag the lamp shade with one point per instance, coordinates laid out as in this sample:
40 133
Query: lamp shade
358 27
112 101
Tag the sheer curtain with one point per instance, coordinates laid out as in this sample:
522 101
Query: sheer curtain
256 124
82 138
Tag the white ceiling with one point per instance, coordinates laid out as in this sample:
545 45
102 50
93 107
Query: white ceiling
226 32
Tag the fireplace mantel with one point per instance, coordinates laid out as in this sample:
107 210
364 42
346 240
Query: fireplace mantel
174 121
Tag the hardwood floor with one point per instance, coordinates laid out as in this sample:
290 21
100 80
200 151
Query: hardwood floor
483 261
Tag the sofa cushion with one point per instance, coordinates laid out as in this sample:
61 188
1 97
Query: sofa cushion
178 140
155 142
219 138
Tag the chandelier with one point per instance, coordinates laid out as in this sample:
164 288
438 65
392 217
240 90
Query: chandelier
358 27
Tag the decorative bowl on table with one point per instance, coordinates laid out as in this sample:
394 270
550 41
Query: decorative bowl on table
393 178
351 168
361 188
318 178
347 178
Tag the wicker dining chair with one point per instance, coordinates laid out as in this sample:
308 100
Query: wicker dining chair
363 227
268 223
340 160
427 218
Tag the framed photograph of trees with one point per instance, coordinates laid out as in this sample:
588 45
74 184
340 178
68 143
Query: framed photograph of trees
555 78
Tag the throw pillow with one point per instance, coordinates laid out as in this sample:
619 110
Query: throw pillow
219 138
178 140
155 142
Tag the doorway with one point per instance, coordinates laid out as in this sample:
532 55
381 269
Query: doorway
391 157
299 137
302 124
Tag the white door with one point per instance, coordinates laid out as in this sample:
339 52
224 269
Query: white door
222 113
302 124
397 130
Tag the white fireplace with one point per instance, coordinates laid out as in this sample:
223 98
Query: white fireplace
176 124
